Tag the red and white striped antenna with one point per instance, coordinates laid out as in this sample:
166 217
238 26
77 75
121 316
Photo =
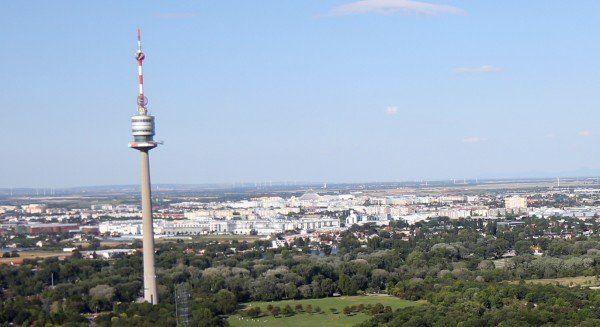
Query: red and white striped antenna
140 56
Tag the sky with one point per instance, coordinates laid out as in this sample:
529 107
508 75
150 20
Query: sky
313 90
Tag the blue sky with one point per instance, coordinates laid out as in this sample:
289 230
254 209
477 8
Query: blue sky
375 90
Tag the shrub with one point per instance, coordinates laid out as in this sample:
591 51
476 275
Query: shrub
309 308
254 312
347 311
287 310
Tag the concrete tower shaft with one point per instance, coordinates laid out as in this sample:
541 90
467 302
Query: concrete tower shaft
150 292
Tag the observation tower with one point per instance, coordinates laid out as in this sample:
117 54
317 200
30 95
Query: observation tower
142 129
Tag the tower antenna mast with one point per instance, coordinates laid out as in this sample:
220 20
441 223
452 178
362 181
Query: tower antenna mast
140 56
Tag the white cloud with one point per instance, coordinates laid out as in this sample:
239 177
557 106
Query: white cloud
485 69
472 139
394 6
550 135
584 133
391 110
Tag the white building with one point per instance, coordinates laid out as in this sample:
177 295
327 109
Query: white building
122 227
515 203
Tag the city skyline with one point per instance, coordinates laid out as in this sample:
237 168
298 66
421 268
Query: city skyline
328 91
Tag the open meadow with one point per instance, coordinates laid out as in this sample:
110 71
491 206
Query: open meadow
583 281
326 318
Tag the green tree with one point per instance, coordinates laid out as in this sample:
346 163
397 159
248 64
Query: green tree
101 296
225 301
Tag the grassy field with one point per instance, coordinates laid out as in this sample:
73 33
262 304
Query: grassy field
249 238
33 255
326 318
184 239
112 244
584 281
218 238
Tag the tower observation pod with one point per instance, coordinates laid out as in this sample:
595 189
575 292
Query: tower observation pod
142 129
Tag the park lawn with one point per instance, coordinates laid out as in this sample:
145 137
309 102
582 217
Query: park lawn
325 318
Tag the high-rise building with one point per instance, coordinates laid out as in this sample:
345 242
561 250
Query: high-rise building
515 203
142 128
